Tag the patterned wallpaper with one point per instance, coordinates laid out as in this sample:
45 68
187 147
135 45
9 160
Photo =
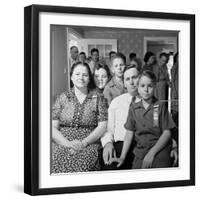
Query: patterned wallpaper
128 41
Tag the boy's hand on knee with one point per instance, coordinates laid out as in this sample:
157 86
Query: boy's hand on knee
148 160
174 155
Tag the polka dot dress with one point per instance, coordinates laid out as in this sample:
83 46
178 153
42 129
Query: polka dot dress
77 121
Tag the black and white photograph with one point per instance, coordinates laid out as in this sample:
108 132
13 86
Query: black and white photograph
114 99
109 100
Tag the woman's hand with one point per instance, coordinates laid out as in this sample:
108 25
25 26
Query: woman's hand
74 146
148 160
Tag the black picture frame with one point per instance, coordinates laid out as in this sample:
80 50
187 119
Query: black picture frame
31 98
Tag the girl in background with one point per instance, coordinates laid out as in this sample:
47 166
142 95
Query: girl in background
150 60
101 76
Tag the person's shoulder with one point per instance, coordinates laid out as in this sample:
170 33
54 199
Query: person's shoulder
117 101
136 103
62 96
110 83
95 94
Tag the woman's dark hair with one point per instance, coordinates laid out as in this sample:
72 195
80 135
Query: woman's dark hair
148 74
147 55
91 84
103 66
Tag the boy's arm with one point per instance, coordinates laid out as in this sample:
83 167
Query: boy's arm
160 144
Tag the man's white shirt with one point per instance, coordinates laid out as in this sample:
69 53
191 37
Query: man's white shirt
117 116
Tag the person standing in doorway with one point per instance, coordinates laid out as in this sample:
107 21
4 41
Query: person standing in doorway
73 56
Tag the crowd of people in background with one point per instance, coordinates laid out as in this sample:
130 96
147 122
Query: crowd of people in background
118 113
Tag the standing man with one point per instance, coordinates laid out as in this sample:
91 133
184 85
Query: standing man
94 59
162 76
73 56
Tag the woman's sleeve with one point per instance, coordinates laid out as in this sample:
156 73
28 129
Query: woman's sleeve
102 109
57 107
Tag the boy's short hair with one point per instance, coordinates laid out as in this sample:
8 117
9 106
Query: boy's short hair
132 55
94 50
119 55
130 67
82 53
73 47
111 52
148 74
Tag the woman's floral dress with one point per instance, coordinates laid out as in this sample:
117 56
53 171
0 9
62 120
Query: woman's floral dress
77 121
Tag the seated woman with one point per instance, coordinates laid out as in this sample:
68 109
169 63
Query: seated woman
79 120
101 76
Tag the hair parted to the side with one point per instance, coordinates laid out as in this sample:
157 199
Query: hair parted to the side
94 50
119 55
148 74
131 67
73 47
91 84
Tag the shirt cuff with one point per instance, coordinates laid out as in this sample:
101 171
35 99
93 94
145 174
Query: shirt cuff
106 139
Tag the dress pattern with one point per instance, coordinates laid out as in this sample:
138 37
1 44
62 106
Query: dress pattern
77 121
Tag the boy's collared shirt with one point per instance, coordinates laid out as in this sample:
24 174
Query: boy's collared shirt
148 125
113 89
